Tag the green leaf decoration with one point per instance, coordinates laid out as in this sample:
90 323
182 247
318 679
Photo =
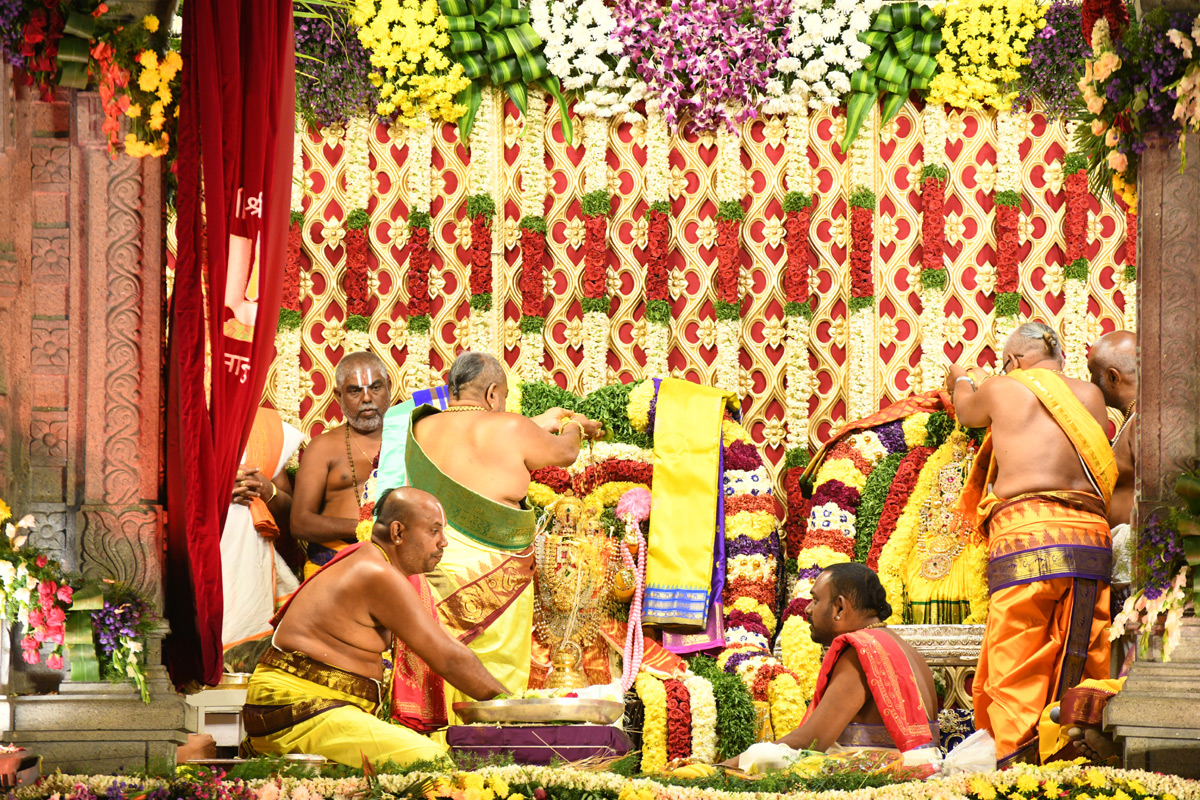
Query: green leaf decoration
422 323
658 311
723 310
496 44
73 50
904 39
1077 270
1008 304
799 310
481 302
81 644
593 305
859 303
531 324
933 279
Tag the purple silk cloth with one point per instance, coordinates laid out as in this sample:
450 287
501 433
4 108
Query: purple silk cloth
713 635
540 744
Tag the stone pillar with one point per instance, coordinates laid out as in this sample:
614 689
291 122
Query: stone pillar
1156 718
81 388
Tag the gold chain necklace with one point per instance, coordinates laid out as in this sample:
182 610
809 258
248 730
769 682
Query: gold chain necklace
466 408
874 625
381 552
1129 408
359 446
353 472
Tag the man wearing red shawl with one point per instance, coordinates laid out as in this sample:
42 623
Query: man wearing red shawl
881 690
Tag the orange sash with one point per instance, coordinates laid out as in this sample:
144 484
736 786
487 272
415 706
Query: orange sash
891 680
418 693
262 451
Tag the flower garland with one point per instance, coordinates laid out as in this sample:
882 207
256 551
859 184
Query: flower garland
862 285
934 279
1008 199
481 210
1075 273
654 729
33 591
596 208
986 41
823 51
658 241
679 720
1056 55
798 207
800 653
415 78
582 54
533 238
355 267
899 494
332 55
704 718
1129 282
359 181
730 189
420 153
287 372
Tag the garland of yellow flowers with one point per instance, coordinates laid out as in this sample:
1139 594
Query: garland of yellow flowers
893 559
801 654
602 497
654 729
788 704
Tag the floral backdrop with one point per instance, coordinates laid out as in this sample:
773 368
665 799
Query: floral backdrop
991 191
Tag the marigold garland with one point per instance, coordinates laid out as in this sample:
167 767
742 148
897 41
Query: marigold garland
654 728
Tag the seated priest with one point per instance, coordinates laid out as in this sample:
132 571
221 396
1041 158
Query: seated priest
317 688
874 689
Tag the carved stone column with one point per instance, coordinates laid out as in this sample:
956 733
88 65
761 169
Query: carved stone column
81 339
1155 718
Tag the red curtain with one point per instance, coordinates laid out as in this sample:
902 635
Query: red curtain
235 127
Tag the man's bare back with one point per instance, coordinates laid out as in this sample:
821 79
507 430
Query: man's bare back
484 451
1032 451
1120 508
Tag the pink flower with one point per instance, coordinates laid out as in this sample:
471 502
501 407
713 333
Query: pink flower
46 589
36 620
636 503
31 656
42 561
54 661
1118 161
65 593
1098 126
55 616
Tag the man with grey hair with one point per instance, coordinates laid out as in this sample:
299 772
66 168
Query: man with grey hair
333 492
1039 492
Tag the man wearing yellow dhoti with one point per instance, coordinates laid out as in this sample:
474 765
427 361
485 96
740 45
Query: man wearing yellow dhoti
1039 487
317 689
476 459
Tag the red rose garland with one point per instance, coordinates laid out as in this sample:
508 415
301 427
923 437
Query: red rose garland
749 502
613 470
354 278
1112 10
291 270
679 720
532 283
595 257
556 478
481 255
1075 218
418 272
796 270
657 242
729 253
1007 277
933 223
902 487
861 241
1131 226
748 587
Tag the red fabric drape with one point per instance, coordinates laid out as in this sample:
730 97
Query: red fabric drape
235 124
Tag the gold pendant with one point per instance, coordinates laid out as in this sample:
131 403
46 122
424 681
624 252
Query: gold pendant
936 567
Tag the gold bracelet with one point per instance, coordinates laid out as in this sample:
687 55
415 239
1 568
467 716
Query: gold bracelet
274 491
563 427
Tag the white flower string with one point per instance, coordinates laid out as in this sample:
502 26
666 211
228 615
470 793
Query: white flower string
359 183
704 719
861 354
658 182
933 298
731 186
533 204
631 659
298 184
1008 178
287 375
420 187
799 377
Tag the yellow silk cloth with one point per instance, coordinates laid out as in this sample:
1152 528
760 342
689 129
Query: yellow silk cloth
1037 624
687 453
1052 736
483 585
296 704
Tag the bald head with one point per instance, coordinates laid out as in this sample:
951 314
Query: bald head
412 523
1113 365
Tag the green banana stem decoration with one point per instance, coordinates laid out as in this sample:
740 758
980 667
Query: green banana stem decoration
73 50
494 41
81 645
904 38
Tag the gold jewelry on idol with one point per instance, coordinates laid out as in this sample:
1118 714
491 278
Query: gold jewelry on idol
942 533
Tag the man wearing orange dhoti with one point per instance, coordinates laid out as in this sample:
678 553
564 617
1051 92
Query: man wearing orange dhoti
881 691
1039 492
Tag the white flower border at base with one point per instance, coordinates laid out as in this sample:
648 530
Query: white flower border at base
416 365
799 381
657 336
933 338
287 375
728 352
704 719
1074 324
861 359
533 351
594 369
359 183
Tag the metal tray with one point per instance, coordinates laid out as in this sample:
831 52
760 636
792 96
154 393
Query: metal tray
541 710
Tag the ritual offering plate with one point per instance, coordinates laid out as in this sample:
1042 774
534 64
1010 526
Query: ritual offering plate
537 710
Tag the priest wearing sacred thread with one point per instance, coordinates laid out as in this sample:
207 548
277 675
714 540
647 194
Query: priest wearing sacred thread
874 689
317 689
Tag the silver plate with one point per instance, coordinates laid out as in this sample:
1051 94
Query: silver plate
541 710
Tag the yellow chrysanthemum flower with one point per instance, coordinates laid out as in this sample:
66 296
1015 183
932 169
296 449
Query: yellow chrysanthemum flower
5 511
150 23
